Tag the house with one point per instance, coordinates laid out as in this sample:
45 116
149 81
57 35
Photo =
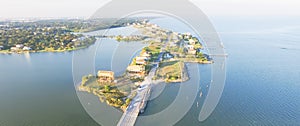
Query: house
141 58
146 54
192 42
140 61
136 70
192 52
26 48
14 49
19 46
105 76
187 36
190 49
1 47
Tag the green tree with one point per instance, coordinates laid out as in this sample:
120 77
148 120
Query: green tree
107 88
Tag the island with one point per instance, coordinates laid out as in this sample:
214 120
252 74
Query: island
163 60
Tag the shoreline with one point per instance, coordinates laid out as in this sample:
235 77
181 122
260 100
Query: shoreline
44 51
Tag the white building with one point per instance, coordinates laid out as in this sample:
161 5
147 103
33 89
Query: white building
192 42
14 48
26 48
189 47
141 58
19 45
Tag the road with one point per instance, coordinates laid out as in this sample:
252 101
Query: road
140 100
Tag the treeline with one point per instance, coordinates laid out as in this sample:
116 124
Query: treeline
42 38
54 35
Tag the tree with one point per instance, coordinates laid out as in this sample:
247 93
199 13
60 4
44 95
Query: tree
107 88
118 38
84 80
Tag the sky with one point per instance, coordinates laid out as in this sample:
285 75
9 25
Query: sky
85 8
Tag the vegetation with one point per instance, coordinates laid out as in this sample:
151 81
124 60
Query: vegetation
176 50
40 38
54 35
108 92
154 49
120 38
170 71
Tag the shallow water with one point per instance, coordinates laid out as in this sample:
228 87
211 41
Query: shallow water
262 85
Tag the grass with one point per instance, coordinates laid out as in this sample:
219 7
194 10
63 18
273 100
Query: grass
154 48
170 71
108 92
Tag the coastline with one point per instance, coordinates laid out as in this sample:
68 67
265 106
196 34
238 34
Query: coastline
156 61
45 51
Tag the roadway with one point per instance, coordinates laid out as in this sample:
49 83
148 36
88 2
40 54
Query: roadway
140 100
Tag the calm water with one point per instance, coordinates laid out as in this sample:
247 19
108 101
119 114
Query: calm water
262 85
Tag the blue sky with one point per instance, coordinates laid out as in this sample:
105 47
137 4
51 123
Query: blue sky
85 8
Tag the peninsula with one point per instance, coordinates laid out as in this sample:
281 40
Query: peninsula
162 60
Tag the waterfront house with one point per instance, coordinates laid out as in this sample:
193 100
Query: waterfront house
140 61
26 48
19 46
146 54
1 47
187 36
105 76
136 70
192 42
191 52
74 40
190 49
14 49
141 58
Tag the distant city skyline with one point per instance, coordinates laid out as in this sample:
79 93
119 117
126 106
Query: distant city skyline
85 8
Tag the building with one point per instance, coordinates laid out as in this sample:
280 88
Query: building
1 47
105 76
141 58
26 48
19 46
190 49
192 52
74 40
136 70
140 61
192 42
14 49
146 54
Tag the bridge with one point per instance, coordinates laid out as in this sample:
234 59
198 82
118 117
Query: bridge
139 102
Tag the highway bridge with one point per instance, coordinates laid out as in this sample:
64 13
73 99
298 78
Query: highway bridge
139 102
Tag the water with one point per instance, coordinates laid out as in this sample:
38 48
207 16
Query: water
262 85
38 90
